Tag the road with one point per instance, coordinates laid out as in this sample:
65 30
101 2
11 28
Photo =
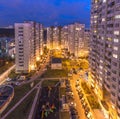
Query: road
39 73
5 75
76 98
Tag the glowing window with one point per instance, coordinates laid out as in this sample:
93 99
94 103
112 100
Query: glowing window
116 40
115 48
115 56
116 32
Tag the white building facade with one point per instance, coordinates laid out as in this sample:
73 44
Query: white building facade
28 45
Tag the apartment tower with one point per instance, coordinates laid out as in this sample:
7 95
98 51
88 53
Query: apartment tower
29 45
105 53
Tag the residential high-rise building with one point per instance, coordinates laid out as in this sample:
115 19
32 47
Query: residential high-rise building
105 53
28 44
72 37
64 37
3 46
76 38
54 37
86 39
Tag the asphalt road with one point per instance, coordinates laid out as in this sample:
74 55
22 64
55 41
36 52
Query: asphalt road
76 97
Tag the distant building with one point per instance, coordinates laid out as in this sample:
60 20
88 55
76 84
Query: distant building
28 45
86 39
11 52
3 46
54 37
72 37
76 38
56 63
64 37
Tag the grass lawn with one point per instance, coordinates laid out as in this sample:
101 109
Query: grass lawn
22 111
64 115
49 83
62 91
20 91
13 75
55 73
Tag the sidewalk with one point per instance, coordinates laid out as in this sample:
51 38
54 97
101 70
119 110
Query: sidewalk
32 111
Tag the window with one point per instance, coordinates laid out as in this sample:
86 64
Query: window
115 56
115 48
117 17
116 40
116 32
103 19
104 1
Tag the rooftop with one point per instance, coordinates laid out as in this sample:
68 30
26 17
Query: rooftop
56 60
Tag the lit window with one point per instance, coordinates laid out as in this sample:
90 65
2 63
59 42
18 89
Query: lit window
116 32
96 1
103 19
95 21
115 48
109 39
117 16
101 72
101 61
102 38
104 1
116 40
95 16
101 67
115 56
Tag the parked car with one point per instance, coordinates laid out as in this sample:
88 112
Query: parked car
8 79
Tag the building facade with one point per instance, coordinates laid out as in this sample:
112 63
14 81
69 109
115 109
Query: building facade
54 37
105 52
76 38
71 37
28 45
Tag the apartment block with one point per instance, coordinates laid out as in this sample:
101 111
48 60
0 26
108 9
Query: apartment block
64 37
28 45
72 37
76 38
54 37
105 53
86 39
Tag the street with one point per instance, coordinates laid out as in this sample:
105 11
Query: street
76 98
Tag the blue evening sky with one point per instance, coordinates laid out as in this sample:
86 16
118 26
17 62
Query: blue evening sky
48 12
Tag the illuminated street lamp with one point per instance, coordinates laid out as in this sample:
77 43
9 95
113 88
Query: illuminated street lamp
32 67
